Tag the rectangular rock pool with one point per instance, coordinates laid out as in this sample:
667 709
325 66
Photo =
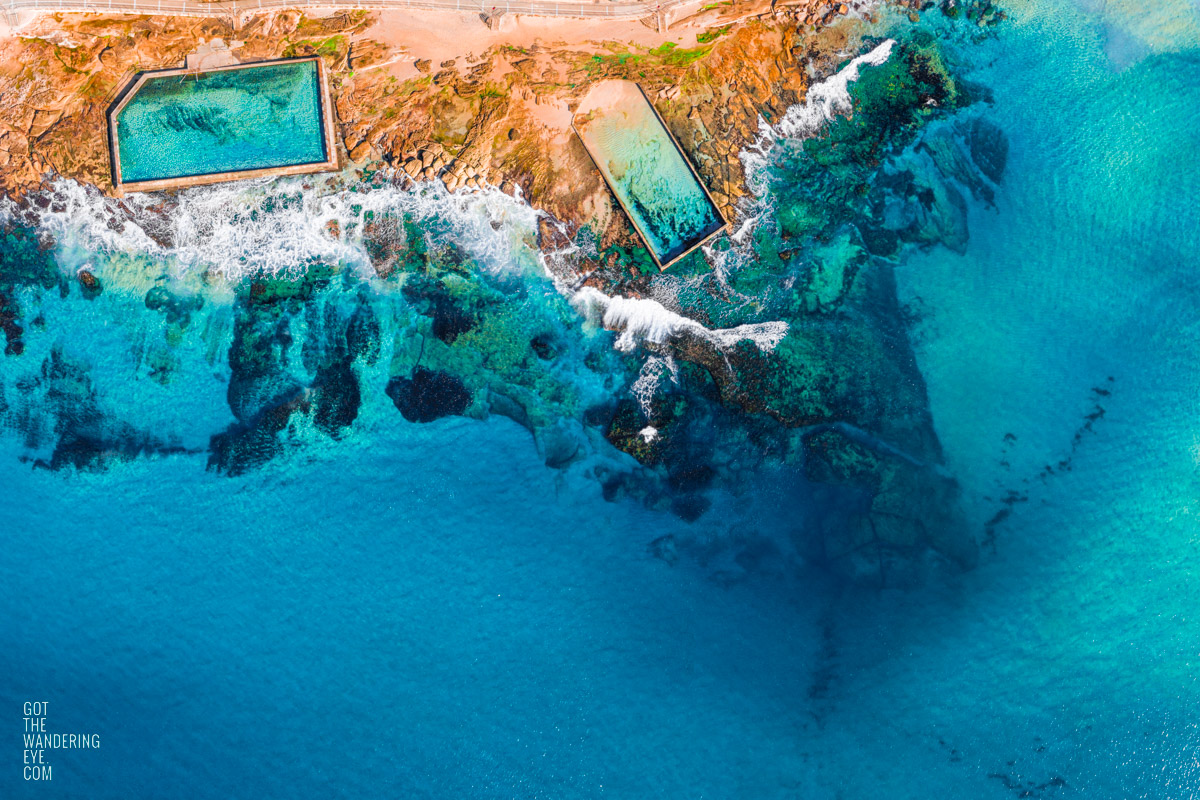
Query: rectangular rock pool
647 171
183 127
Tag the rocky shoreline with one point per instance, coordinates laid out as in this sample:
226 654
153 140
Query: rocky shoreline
485 117
697 400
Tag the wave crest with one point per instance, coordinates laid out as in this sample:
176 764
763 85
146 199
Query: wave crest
639 320
279 226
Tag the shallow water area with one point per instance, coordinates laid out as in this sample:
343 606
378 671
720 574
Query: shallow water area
1060 352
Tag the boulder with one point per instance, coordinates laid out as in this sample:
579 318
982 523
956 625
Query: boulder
907 514
89 284
335 396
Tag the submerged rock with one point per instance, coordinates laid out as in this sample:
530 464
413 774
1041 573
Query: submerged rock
989 148
917 194
665 548
364 332
106 445
450 321
266 389
690 507
335 397
252 443
451 318
177 309
25 260
545 346
928 209
261 392
58 408
14 345
562 444
629 431
428 395
908 509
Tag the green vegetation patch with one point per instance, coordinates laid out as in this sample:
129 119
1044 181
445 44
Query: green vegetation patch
626 64
326 48
713 35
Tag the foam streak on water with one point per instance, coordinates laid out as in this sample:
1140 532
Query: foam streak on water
829 98
825 101
281 227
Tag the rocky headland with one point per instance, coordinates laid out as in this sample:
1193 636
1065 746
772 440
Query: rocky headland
793 351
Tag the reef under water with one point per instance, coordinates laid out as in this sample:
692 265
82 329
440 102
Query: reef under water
887 493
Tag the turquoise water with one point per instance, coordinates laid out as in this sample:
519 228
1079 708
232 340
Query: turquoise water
428 610
226 121
649 175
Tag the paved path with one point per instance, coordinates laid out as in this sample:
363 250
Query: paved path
597 9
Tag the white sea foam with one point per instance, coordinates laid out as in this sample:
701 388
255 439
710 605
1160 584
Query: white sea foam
765 335
282 227
825 101
830 98
639 320
654 372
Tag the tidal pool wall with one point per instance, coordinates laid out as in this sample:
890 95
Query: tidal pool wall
182 127
647 171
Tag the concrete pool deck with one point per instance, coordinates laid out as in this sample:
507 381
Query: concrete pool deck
330 164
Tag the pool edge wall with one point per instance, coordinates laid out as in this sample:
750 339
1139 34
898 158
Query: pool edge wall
704 238
330 164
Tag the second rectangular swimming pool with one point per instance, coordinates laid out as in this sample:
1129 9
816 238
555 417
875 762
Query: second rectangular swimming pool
646 171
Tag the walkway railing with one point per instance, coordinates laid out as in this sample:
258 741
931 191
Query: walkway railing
599 9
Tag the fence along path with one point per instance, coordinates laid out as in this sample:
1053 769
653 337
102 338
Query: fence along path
598 9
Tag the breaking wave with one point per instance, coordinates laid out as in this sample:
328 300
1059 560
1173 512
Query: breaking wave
638 320
278 227
825 101
830 98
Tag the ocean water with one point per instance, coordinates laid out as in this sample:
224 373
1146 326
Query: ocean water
428 610
648 173
223 121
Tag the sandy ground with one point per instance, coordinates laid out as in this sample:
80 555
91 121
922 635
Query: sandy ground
440 36
608 94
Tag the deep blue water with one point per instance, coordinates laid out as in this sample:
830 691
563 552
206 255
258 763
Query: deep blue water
427 610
